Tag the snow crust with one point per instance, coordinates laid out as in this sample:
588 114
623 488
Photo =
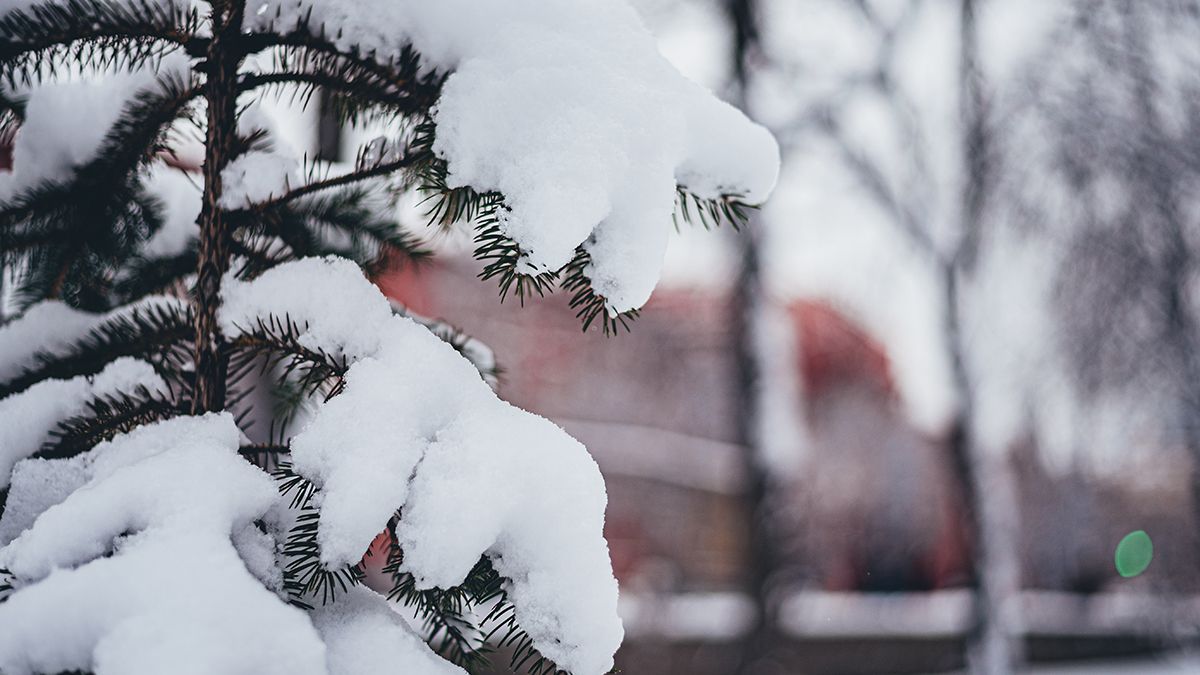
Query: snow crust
27 418
416 428
161 601
568 109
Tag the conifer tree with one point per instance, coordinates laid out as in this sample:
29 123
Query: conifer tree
181 281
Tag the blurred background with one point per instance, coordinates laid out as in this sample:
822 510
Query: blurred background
903 422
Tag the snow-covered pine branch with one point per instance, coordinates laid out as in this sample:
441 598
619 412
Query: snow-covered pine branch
171 258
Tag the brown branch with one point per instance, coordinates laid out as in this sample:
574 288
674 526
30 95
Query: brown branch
340 180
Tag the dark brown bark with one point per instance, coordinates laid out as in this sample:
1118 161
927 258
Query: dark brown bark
220 92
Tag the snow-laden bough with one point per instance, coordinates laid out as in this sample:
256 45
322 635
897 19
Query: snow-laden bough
132 574
416 429
567 109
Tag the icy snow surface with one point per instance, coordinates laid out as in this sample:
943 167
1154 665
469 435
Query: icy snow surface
568 109
174 596
416 427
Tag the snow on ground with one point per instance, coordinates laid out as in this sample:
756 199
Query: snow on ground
416 427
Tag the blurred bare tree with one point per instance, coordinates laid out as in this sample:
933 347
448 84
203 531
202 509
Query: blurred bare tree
908 195
1102 161
759 648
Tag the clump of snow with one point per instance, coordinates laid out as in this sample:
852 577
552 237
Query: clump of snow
161 601
262 174
255 177
47 327
343 323
472 349
416 428
37 484
568 109
364 634
27 418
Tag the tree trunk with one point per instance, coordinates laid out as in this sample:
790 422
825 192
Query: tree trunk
223 58
988 499
1177 267
988 490
759 650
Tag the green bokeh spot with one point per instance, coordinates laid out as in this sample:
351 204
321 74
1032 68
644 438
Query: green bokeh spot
1134 553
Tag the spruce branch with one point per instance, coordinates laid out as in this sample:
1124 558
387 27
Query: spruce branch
6 577
447 616
159 334
273 345
72 235
710 212
12 115
109 416
591 307
266 456
341 180
503 258
342 222
275 341
99 34
143 276
304 576
310 47
361 89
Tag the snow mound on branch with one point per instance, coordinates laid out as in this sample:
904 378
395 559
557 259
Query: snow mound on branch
48 327
52 328
416 428
36 485
173 596
568 109
262 174
26 419
364 634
